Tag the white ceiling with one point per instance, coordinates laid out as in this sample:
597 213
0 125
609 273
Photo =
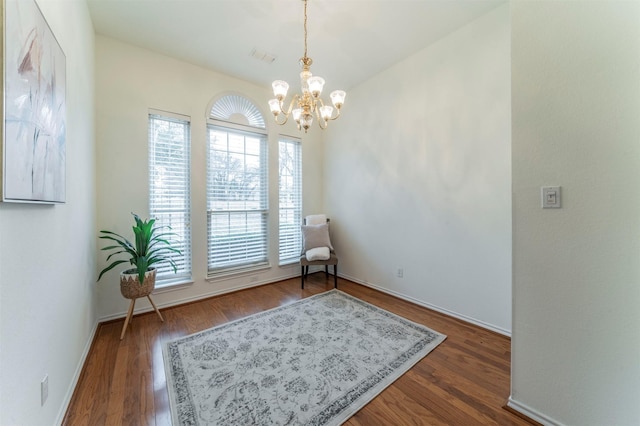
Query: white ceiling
349 40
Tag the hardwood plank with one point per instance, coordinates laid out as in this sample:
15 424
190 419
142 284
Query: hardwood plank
160 414
117 392
145 373
89 405
465 380
393 407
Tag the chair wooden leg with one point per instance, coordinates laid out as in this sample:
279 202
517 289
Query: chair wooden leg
126 321
335 275
155 307
302 275
326 271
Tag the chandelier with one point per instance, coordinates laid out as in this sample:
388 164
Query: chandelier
309 103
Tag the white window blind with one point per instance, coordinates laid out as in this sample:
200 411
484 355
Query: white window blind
237 194
169 189
290 200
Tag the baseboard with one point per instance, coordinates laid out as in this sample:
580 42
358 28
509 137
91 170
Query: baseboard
402 296
182 301
76 376
531 413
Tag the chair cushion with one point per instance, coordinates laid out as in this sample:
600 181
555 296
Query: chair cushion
316 236
333 260
318 253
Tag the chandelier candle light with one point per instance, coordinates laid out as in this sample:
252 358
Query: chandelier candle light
309 102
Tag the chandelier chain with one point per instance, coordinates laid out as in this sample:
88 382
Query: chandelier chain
305 28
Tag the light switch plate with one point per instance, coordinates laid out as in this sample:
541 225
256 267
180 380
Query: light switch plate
551 197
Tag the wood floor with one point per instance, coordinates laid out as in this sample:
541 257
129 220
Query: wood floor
464 381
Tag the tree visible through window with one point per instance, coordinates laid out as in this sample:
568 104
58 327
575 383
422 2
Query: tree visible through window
237 199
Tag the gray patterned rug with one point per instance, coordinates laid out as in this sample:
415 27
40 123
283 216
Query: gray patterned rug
313 362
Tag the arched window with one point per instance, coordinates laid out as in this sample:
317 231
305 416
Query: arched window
237 190
237 109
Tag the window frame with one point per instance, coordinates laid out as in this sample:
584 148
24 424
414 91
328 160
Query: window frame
158 207
232 268
289 251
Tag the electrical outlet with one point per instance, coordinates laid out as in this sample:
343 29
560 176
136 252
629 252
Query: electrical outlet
44 389
400 273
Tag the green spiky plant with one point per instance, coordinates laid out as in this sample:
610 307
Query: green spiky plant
150 247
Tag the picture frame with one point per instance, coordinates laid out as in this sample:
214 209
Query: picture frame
33 107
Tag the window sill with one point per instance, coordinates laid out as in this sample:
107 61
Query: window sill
170 285
227 274
290 262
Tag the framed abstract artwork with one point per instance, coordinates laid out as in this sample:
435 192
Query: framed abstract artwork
34 107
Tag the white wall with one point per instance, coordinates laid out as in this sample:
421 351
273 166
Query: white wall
417 174
576 123
47 253
129 81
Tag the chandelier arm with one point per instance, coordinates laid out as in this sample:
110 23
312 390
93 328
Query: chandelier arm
293 101
286 113
286 117
321 102
320 119
337 114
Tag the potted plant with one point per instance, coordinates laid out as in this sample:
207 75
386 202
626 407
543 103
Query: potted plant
151 247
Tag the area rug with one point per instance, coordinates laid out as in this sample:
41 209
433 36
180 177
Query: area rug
313 362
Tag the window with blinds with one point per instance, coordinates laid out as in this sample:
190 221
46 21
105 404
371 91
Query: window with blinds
289 200
169 189
237 207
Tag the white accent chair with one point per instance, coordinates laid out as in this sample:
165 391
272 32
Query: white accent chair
332 260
